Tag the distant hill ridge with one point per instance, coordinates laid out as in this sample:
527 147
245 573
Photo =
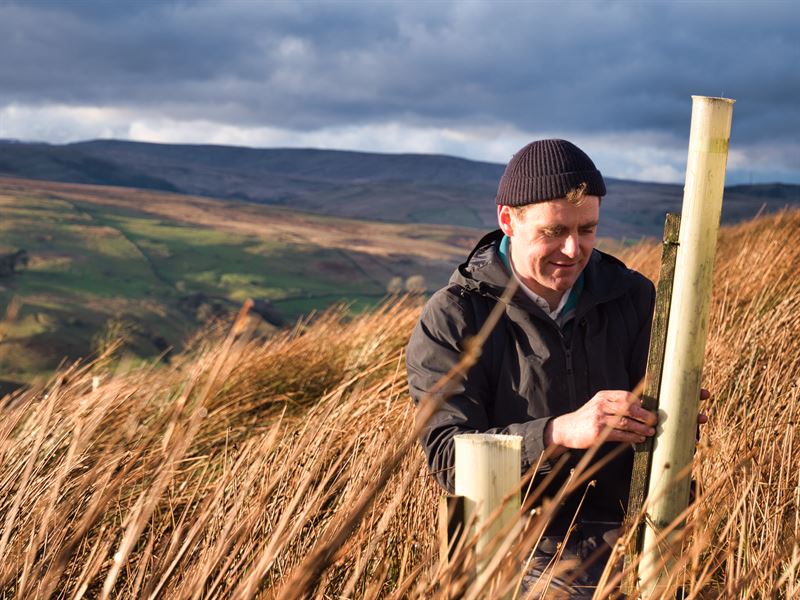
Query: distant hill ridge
403 188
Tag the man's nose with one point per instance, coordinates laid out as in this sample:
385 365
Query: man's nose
570 247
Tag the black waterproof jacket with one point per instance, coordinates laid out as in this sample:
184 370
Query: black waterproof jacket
530 370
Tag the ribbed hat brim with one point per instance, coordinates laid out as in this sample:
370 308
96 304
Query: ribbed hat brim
516 191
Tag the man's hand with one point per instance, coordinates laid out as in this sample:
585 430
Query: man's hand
617 409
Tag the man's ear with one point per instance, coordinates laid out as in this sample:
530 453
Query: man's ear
505 220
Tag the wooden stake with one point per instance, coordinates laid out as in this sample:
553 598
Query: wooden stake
652 381
451 525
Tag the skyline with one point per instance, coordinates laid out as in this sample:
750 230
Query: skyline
471 79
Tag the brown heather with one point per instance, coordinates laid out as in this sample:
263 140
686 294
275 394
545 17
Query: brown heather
286 468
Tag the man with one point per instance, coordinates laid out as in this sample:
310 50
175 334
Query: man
559 366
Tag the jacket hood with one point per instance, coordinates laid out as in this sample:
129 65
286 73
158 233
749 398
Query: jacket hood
605 277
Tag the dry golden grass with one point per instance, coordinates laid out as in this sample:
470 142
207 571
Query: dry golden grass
286 468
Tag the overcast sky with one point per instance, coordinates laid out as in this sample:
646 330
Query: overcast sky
472 79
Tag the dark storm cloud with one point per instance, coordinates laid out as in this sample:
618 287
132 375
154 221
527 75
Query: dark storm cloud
571 67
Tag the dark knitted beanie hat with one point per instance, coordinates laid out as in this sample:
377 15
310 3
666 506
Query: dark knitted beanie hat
547 170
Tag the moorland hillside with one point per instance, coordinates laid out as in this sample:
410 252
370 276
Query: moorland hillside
286 467
397 188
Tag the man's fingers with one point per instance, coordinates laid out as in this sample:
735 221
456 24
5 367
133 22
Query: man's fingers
645 416
630 425
624 404
617 435
634 411
702 418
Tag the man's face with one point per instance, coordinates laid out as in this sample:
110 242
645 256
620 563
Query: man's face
552 243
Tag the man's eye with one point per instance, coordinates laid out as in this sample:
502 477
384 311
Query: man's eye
554 232
587 230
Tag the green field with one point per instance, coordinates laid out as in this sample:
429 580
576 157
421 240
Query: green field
97 271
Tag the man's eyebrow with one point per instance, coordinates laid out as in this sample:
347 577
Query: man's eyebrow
590 223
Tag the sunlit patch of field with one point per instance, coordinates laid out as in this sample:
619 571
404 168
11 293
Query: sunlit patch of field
101 254
380 239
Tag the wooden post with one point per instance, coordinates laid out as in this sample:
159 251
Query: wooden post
488 468
686 338
451 525
652 381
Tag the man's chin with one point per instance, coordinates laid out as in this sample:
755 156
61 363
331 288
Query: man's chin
563 278
562 284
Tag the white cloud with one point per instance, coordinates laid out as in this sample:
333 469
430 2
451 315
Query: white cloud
60 123
640 155
488 144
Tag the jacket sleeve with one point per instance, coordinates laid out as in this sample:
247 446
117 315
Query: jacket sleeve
434 348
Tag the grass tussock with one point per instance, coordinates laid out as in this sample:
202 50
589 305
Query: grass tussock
286 468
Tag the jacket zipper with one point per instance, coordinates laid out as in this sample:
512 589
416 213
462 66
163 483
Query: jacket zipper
570 375
573 400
